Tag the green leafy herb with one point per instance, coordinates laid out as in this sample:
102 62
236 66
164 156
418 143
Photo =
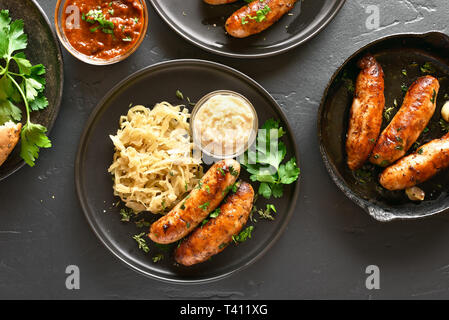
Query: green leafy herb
223 173
444 125
215 213
244 235
158 258
433 96
141 242
26 86
388 113
96 16
404 88
142 223
233 172
204 206
420 151
126 214
427 68
179 95
266 214
265 164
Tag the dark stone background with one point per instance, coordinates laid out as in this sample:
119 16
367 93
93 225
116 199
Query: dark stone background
329 241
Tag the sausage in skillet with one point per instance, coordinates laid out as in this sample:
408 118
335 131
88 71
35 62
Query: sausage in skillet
257 16
416 168
366 112
408 123
187 214
217 233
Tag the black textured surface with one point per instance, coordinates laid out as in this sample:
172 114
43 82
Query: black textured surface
329 241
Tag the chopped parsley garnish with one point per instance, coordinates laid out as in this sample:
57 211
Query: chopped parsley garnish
233 172
223 173
420 151
158 258
97 16
215 213
404 88
126 214
427 68
204 206
244 235
444 125
141 242
388 113
142 223
433 96
179 95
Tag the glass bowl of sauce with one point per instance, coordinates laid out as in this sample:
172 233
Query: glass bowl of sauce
101 32
224 124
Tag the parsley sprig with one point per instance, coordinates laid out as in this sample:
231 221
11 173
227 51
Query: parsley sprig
27 86
264 164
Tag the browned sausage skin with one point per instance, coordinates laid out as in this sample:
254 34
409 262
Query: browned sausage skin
366 112
217 2
244 22
217 233
408 123
416 168
187 214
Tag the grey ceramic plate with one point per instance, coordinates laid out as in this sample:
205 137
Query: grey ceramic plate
203 25
395 53
154 84
43 47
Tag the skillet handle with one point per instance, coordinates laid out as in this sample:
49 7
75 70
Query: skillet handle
380 214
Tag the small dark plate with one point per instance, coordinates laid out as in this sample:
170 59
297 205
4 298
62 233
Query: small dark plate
203 25
43 47
154 84
395 53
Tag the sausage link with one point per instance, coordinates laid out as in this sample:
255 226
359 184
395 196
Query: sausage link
366 112
408 123
416 168
245 22
187 214
217 233
217 2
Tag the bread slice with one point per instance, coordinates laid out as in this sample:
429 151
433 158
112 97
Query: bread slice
9 137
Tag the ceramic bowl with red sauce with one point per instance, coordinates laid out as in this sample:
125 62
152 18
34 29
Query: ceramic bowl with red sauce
101 32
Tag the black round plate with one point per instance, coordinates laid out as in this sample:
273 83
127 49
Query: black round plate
203 25
43 47
402 56
194 78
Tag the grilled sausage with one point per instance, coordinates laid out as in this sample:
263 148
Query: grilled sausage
408 123
246 21
366 112
9 137
217 2
217 233
187 214
416 168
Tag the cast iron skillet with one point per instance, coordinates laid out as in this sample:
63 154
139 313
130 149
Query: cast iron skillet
43 47
395 53
194 78
203 25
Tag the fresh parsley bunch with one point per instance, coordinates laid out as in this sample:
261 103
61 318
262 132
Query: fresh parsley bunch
25 84
264 164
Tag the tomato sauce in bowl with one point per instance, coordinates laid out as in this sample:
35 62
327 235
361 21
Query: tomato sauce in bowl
104 29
